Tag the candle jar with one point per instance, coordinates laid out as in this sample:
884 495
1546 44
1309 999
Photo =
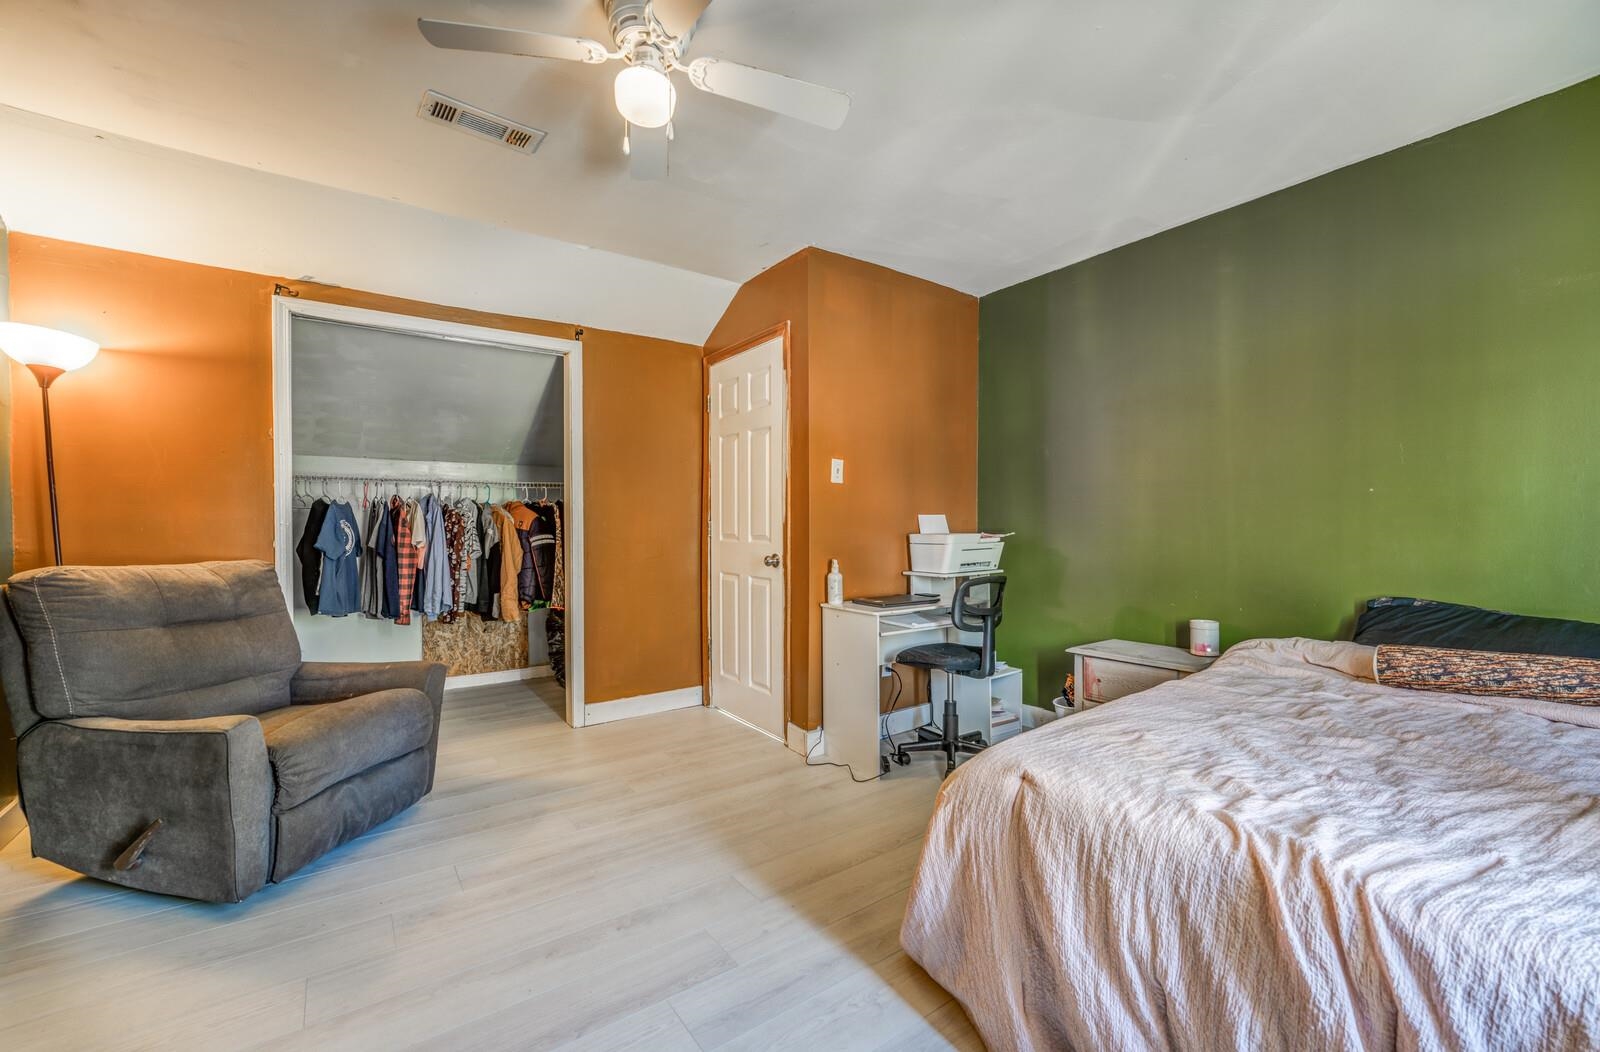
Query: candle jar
1205 638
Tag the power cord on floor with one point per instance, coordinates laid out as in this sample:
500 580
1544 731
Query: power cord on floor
830 763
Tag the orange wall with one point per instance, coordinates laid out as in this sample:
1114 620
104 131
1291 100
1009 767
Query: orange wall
894 394
641 482
884 375
164 442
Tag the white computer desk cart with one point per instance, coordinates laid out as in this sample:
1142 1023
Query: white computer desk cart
857 641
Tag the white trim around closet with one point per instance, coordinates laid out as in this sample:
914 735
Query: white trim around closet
285 309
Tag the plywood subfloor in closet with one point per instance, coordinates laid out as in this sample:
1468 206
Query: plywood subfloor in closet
671 882
472 645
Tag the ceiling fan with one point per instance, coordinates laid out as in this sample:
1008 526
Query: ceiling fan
651 37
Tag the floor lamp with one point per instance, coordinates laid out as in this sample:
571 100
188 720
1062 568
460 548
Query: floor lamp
47 353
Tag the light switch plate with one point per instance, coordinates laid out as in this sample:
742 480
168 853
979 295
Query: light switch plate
836 473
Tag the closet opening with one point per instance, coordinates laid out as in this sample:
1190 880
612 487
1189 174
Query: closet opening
446 460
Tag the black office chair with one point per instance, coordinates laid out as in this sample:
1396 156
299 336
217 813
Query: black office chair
958 659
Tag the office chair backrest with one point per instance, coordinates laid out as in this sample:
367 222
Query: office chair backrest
970 616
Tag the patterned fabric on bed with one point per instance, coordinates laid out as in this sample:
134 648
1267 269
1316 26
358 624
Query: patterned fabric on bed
1568 679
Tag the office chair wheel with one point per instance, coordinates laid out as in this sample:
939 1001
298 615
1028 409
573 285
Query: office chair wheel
902 758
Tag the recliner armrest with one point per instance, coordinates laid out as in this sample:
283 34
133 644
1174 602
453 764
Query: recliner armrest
337 680
91 786
322 681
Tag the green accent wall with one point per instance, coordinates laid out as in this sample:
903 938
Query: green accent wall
1384 381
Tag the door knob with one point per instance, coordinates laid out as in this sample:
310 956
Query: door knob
772 560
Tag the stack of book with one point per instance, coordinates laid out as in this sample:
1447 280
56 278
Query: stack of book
1003 722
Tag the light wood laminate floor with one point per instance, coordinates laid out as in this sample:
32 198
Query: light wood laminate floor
663 883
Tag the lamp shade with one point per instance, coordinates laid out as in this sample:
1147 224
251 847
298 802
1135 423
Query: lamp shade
645 96
52 348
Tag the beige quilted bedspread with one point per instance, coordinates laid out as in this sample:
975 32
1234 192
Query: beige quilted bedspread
1274 854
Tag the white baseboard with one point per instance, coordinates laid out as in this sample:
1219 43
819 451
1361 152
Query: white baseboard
802 741
510 675
641 705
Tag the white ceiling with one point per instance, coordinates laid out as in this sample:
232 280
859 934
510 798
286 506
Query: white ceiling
382 395
988 142
66 181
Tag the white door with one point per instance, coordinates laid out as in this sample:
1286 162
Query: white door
748 450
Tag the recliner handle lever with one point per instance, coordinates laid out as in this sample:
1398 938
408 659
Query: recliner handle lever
133 855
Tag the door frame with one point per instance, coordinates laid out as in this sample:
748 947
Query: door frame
778 331
285 309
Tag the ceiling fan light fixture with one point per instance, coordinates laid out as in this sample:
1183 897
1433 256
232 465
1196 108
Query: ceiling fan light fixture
645 95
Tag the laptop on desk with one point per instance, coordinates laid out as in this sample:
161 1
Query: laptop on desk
894 602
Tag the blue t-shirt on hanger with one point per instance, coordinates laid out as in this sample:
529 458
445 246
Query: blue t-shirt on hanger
340 545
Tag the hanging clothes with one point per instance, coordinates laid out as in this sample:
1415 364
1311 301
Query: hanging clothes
558 587
404 561
372 560
339 541
489 566
542 542
471 553
455 545
525 517
397 556
419 540
388 549
436 570
510 608
308 554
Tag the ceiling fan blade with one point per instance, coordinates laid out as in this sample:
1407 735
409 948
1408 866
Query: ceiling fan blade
680 16
647 153
800 99
464 36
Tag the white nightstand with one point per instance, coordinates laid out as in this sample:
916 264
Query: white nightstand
1115 668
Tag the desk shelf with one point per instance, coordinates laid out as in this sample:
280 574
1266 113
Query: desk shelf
941 584
948 576
975 700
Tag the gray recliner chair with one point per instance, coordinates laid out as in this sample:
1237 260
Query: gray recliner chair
171 739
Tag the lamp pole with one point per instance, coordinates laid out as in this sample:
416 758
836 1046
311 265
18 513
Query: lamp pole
46 375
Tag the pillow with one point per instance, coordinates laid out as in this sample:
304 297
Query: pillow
1423 622
1549 678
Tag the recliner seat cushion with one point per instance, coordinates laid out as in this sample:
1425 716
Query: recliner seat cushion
155 642
345 810
312 747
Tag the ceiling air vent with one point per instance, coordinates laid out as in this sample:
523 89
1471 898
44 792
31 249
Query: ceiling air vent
479 123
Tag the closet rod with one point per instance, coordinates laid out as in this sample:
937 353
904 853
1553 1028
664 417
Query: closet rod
426 480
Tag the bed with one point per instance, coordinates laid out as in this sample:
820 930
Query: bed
1278 853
